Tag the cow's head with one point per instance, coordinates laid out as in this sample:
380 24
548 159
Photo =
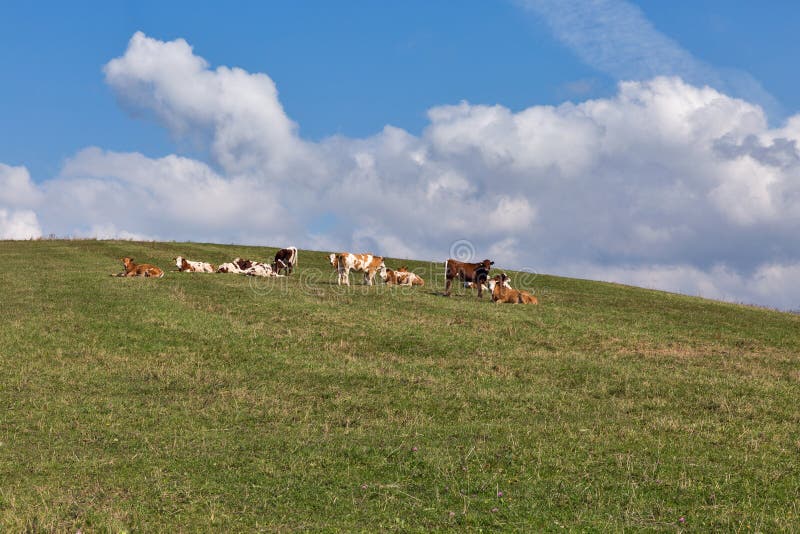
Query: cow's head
487 264
127 261
178 262
333 260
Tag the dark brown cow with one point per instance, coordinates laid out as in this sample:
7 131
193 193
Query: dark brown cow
477 273
285 260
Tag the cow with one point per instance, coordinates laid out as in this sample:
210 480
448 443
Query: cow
260 269
477 273
229 267
238 265
285 260
248 267
185 265
140 269
494 281
401 277
345 262
501 293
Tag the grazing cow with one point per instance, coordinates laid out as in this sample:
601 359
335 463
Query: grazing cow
401 277
285 260
501 293
369 264
140 269
476 273
185 265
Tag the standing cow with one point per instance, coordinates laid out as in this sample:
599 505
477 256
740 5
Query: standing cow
477 273
367 263
285 260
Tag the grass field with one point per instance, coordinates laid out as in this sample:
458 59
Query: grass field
224 403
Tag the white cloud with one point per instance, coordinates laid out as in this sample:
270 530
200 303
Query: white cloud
19 224
665 184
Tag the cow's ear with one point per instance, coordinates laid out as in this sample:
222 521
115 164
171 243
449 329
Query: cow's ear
491 263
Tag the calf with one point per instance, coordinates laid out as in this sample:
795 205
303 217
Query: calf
476 273
401 277
139 269
501 293
285 260
369 264
185 265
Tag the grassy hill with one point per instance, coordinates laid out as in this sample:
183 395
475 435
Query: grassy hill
225 403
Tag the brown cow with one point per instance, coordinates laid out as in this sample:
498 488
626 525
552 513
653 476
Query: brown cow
477 273
142 269
285 260
501 293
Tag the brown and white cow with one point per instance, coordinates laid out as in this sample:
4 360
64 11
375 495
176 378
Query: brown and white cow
367 263
285 260
477 273
139 269
248 267
494 281
188 266
401 277
238 266
260 269
501 293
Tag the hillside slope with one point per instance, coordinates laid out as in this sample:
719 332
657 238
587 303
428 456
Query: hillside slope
220 402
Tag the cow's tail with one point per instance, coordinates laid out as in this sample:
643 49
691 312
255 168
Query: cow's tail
294 256
446 268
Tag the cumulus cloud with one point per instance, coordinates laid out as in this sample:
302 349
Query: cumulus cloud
18 194
666 184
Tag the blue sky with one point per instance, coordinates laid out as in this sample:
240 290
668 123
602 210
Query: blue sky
342 67
652 143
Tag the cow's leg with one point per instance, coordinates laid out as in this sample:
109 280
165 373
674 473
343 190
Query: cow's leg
447 285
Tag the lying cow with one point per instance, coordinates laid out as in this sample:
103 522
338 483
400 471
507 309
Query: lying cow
494 281
185 265
502 293
367 263
238 266
229 267
285 260
401 277
248 267
260 269
139 269
476 273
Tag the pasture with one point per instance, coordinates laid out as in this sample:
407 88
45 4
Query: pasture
218 402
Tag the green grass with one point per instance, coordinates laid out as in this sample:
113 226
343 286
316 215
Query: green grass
223 403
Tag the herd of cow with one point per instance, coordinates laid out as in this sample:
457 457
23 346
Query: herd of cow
470 274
